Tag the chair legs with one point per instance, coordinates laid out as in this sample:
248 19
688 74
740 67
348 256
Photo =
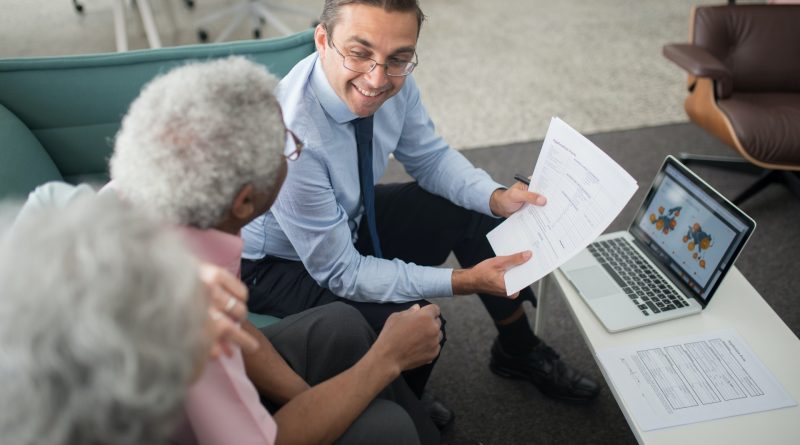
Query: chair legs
766 177
259 12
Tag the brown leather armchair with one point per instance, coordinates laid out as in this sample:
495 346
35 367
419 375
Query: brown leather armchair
744 87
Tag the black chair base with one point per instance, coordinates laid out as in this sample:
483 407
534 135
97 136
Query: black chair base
790 179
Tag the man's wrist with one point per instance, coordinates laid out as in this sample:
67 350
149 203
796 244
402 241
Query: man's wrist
380 363
461 282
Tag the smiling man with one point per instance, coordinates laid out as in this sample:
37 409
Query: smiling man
333 235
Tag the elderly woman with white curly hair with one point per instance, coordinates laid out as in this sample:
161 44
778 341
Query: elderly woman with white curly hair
102 326
204 147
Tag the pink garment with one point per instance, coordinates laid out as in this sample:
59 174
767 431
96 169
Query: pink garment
215 247
222 406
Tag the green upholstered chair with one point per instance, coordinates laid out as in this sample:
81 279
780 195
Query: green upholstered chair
261 320
59 115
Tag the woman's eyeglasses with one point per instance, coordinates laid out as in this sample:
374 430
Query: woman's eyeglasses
294 146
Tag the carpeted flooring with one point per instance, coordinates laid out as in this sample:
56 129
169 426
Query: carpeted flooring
499 411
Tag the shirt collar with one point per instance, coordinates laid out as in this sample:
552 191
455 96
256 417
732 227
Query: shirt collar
328 98
214 246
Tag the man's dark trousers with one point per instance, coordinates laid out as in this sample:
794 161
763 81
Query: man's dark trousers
413 225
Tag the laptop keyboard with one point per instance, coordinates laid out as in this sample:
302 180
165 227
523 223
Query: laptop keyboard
638 278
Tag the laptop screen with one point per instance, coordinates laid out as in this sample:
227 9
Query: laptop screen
692 230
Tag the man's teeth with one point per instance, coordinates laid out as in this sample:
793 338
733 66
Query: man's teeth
368 93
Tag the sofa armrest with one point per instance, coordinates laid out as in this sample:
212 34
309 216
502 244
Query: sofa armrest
700 63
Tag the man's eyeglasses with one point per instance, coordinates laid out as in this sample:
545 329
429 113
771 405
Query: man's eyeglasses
293 146
363 64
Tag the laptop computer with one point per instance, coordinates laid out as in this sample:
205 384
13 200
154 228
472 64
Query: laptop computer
683 240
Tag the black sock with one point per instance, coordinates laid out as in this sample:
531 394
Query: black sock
517 338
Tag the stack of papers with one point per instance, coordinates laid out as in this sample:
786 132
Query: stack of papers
691 379
585 191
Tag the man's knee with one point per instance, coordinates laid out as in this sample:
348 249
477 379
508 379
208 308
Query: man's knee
321 342
346 326
383 422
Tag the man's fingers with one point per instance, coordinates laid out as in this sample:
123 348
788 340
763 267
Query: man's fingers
516 259
519 193
520 186
530 197
535 199
432 309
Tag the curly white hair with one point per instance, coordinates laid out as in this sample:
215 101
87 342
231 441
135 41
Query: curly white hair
102 326
195 136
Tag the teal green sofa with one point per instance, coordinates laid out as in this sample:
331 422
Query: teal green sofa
59 115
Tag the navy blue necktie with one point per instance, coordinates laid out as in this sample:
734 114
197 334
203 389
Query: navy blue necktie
363 128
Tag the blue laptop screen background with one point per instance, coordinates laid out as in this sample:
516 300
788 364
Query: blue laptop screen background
689 230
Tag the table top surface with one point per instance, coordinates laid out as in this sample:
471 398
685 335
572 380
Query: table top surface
736 305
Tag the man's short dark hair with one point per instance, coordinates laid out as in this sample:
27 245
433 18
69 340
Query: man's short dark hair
330 12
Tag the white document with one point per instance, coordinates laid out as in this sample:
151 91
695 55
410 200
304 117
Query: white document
585 191
692 379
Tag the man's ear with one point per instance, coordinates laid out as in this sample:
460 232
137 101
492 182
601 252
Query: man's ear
243 206
320 38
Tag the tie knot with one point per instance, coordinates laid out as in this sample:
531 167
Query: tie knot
363 128
361 120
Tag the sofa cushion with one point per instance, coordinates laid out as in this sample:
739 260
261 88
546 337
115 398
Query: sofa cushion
261 320
24 163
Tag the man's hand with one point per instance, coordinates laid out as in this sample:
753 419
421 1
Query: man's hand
411 338
227 309
487 277
504 202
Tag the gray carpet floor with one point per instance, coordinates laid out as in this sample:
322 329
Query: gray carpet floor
499 411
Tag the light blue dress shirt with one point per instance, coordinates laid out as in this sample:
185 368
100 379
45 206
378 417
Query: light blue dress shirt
315 218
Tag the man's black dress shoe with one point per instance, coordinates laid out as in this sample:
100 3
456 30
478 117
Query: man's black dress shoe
543 367
440 414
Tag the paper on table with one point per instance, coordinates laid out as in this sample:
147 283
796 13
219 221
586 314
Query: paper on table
585 191
691 379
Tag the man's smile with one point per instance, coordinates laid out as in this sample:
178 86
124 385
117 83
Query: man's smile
372 93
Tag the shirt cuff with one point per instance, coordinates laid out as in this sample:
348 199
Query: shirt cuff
440 282
485 190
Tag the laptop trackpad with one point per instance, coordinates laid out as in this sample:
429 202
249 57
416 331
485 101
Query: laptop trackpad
594 282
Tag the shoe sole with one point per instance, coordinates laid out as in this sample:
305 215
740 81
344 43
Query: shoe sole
514 375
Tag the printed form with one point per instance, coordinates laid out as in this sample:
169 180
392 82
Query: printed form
585 191
692 379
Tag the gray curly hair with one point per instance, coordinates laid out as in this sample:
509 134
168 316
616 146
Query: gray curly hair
102 326
195 136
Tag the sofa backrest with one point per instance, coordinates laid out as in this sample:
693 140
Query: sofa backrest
59 115
759 44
